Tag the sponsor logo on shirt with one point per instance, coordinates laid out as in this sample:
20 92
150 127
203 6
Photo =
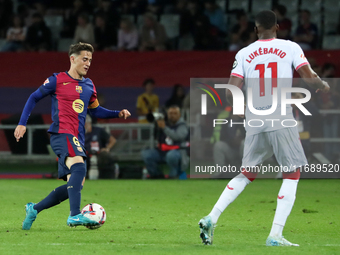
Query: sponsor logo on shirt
78 106
79 89
65 83
46 81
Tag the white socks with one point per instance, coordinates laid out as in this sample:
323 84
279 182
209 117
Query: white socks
233 189
285 202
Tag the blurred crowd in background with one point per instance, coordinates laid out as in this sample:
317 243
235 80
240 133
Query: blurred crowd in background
163 25
147 25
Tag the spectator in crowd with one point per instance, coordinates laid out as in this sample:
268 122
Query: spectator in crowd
127 36
306 34
242 34
215 15
40 7
134 7
148 102
6 10
285 24
24 12
98 142
71 18
176 7
84 31
38 37
153 35
194 22
108 9
16 35
228 140
155 7
104 38
172 137
177 97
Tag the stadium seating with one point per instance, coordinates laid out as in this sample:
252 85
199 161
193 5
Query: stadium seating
294 17
331 6
64 44
313 6
171 24
238 4
260 5
2 43
331 20
130 17
186 42
55 24
291 5
316 18
331 42
222 4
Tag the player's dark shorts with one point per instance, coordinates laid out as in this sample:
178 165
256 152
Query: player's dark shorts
66 145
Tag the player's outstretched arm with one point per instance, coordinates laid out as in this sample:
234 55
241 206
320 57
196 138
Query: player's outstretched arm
312 79
103 113
31 102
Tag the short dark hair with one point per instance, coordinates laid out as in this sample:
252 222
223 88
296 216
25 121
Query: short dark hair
306 11
147 81
84 16
37 15
78 47
266 19
281 9
173 106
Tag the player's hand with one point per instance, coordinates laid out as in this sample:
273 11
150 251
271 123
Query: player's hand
19 132
124 114
161 124
105 150
325 88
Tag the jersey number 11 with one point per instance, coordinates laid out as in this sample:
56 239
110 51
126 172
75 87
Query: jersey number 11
261 68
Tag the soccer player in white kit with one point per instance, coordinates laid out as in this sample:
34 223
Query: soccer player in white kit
264 65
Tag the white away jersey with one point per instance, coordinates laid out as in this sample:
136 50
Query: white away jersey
264 65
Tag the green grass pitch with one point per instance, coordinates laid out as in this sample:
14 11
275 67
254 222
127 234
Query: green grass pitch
160 217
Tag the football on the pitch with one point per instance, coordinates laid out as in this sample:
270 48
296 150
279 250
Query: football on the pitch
94 212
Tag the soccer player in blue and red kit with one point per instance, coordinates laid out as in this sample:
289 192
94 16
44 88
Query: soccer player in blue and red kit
72 95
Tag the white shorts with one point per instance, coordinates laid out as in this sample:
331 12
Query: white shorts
283 143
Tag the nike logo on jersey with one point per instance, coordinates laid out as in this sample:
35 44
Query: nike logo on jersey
65 83
229 187
280 197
